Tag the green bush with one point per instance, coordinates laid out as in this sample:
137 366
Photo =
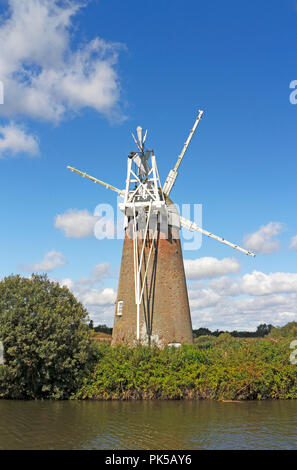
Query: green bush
225 338
287 331
236 369
47 350
205 341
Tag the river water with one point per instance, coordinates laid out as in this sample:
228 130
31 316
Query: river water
148 425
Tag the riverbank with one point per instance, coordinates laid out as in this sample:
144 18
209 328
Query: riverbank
222 368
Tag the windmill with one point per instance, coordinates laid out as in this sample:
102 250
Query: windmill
152 304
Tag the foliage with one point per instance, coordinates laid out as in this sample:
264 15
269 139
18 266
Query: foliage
205 341
261 331
224 338
103 329
47 350
48 354
216 368
287 331
202 332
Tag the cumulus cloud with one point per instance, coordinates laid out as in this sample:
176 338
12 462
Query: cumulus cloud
100 271
293 244
203 298
208 267
258 283
249 305
245 301
76 223
262 241
67 283
239 302
52 260
44 76
102 315
99 301
243 313
15 140
99 297
226 286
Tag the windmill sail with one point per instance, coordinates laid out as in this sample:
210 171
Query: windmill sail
171 178
152 305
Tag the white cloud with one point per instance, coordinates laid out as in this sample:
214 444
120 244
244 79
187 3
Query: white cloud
44 76
288 316
239 302
293 244
100 271
76 223
224 286
14 140
241 305
261 241
244 302
258 283
208 267
67 283
100 303
52 260
244 313
259 304
202 298
98 297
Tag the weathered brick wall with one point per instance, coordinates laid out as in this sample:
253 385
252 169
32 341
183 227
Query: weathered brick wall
164 312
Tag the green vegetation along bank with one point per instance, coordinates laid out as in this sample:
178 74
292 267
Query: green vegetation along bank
222 368
50 352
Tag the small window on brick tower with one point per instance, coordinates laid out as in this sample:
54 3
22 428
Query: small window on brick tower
120 307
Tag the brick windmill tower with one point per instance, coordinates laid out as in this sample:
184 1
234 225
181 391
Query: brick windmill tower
152 306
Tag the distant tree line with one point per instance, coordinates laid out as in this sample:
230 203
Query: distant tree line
100 328
261 331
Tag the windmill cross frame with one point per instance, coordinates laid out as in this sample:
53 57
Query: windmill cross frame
148 201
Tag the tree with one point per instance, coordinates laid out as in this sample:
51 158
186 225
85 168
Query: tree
201 332
103 329
263 330
47 347
287 331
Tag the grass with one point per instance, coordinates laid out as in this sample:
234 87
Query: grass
101 337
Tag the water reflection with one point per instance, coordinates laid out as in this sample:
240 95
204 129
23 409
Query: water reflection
147 425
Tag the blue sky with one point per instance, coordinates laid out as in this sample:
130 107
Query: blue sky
80 76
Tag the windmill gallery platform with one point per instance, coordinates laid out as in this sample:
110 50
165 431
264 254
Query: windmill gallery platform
152 306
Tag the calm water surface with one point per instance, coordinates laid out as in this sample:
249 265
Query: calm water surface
148 425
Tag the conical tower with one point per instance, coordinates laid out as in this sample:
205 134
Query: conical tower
152 306
163 315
